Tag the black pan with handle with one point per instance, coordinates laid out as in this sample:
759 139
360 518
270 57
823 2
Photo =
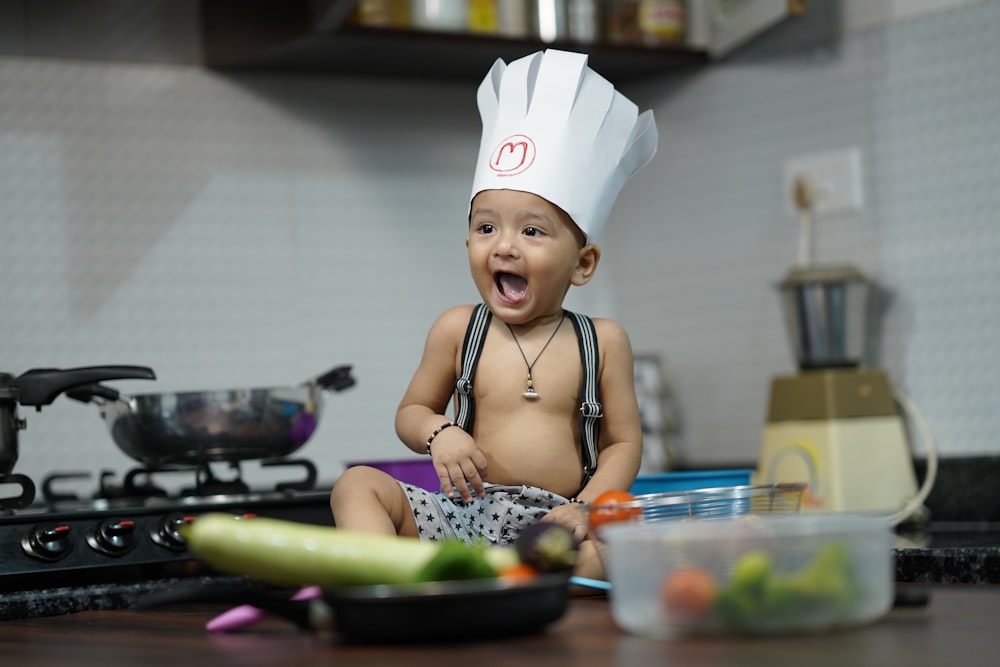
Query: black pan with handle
431 612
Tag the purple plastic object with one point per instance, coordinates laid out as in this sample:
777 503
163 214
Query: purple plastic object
418 472
246 614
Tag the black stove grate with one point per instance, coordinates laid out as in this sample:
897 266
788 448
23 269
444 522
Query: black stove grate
146 485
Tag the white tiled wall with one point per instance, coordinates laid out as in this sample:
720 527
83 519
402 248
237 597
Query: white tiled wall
256 230
921 99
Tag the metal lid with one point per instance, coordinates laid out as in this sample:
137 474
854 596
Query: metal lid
845 273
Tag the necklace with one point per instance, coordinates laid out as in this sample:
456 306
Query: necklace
530 393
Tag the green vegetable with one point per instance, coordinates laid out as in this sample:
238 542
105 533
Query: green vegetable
827 577
756 595
735 607
752 572
299 554
457 560
780 601
547 547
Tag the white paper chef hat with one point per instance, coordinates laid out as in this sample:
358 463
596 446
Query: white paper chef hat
556 128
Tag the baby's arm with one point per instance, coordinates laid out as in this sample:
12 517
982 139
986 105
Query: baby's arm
459 464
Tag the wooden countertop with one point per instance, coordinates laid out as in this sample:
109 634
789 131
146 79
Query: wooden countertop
958 626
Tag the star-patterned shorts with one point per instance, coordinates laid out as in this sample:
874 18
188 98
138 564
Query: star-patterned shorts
498 517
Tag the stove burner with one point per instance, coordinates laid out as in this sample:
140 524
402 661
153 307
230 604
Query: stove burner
23 499
308 483
130 489
138 488
207 484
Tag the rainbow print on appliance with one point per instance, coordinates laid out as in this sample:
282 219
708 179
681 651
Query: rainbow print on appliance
796 462
857 464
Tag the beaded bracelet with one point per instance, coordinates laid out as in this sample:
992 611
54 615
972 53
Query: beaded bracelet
435 434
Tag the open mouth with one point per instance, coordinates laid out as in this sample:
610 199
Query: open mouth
510 285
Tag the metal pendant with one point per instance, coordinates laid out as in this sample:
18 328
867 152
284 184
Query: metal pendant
530 394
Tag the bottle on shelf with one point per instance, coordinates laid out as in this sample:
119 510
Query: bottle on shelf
439 15
381 13
645 22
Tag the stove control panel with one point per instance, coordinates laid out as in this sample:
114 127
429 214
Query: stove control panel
167 533
48 543
94 546
113 537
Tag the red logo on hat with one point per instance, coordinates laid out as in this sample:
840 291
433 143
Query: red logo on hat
513 156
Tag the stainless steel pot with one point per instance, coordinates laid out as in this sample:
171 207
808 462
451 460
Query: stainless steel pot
195 427
825 311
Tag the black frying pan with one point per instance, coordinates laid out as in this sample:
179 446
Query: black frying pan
434 612
448 611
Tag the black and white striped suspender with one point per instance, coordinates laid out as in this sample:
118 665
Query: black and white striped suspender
472 347
590 405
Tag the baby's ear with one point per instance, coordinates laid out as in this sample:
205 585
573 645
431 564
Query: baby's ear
586 264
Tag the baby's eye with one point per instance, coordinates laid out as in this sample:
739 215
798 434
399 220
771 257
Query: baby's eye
532 231
486 228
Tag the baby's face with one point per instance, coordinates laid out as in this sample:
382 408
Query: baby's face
524 253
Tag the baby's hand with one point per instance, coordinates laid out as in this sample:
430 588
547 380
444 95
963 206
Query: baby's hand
459 464
571 515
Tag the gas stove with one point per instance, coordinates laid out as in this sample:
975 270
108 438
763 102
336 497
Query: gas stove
63 552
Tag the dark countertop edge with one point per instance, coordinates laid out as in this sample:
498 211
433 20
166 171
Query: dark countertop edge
35 603
948 565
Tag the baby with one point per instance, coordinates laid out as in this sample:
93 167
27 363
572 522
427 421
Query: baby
546 417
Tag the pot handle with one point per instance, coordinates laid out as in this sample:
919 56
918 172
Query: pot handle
86 393
40 386
337 379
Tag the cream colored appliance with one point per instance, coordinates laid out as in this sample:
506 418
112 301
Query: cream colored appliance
836 425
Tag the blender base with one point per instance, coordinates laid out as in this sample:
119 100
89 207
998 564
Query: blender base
838 430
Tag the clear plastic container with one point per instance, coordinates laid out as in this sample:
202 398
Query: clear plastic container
749 575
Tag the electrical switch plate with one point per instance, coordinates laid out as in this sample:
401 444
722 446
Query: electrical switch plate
835 177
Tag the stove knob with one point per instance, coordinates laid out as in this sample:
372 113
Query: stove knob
113 537
47 543
167 533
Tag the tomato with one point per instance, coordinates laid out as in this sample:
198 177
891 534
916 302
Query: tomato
688 592
609 507
519 573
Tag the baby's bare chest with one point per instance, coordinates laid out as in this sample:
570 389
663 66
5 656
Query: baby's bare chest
509 378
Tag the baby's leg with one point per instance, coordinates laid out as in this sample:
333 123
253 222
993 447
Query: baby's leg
590 563
369 500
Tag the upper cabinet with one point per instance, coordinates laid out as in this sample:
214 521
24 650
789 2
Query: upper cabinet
460 39
441 39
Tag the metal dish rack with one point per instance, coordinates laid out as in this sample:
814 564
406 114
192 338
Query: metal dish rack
721 502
